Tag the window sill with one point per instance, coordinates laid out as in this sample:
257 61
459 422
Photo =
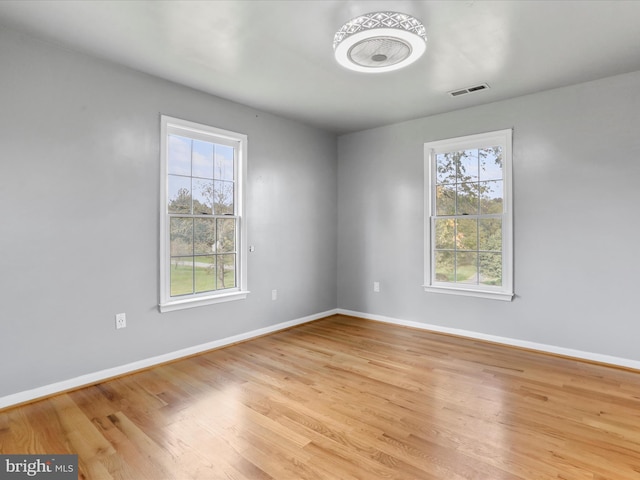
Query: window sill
202 301
494 295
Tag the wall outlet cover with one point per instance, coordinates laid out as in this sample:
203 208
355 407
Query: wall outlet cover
121 320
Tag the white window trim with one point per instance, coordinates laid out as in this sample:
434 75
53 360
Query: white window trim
504 292
238 140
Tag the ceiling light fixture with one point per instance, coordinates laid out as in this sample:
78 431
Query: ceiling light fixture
380 42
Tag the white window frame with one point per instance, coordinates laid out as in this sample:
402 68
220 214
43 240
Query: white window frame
431 149
171 125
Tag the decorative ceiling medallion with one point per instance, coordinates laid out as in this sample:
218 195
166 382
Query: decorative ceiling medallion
380 42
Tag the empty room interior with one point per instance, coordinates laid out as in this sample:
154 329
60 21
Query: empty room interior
320 239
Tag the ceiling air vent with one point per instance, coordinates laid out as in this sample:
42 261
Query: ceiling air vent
465 91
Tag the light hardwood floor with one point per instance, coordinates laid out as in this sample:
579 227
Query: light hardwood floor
346 398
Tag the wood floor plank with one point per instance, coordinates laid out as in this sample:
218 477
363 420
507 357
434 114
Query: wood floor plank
346 398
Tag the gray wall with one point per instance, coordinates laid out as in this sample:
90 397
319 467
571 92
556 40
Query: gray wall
576 180
80 191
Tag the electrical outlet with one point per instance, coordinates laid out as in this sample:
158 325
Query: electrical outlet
121 320
376 286
274 294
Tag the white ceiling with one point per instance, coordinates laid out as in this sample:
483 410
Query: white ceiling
278 56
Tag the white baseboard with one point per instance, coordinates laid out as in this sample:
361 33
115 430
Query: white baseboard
541 347
102 375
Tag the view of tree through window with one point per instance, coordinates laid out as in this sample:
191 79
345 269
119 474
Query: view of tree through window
202 224
468 220
468 216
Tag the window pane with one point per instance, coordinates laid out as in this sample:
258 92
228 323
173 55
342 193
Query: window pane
205 273
181 276
467 234
223 197
468 166
226 271
490 234
467 267
181 236
226 241
224 162
179 155
445 200
445 168
204 236
179 194
467 199
444 267
202 195
490 269
491 197
202 158
445 233
491 163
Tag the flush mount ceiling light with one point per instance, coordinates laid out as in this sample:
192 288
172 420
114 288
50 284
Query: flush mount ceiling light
380 42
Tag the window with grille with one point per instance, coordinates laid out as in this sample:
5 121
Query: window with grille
468 225
202 234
